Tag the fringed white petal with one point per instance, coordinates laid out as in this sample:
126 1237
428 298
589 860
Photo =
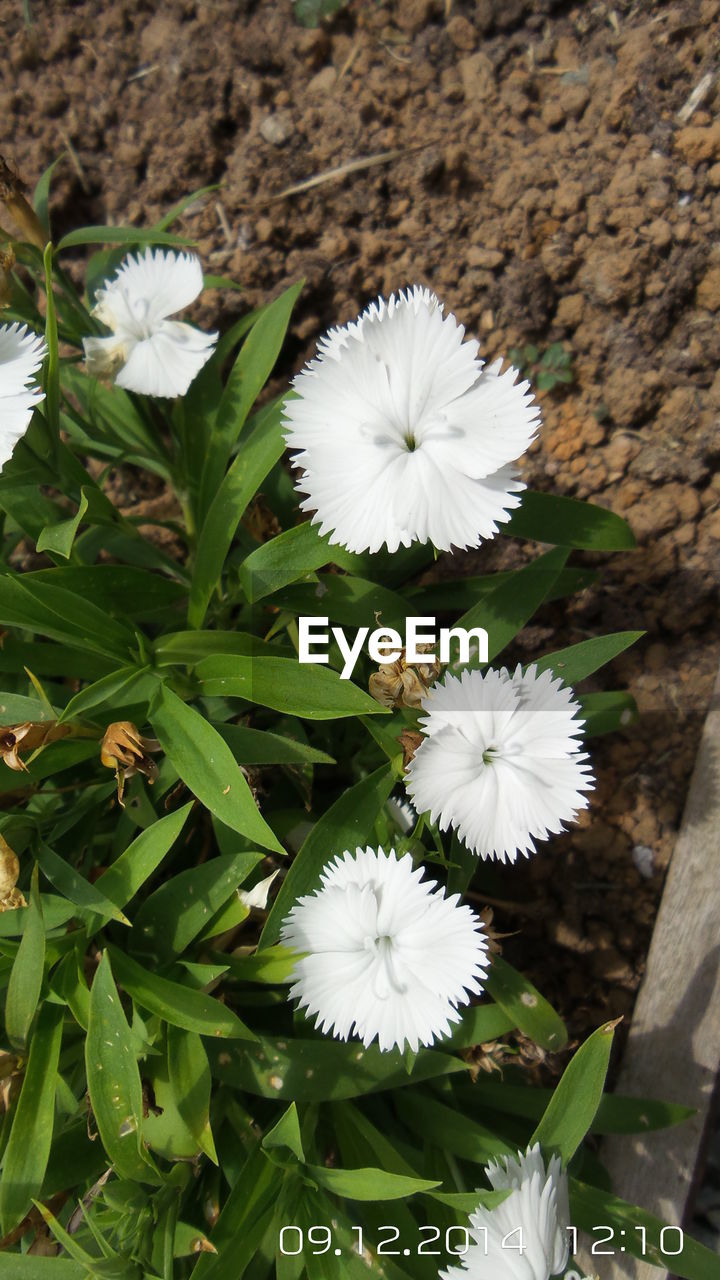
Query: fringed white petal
387 955
501 762
157 356
536 1214
167 362
21 355
403 435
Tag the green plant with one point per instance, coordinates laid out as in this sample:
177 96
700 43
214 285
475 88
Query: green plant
546 371
168 1114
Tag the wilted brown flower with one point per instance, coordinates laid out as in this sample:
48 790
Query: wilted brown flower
409 741
488 1057
12 190
125 750
10 897
402 683
7 262
28 737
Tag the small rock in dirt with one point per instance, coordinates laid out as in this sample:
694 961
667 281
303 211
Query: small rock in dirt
277 128
660 233
488 258
629 396
613 275
323 81
413 15
708 290
697 144
477 76
462 33
644 860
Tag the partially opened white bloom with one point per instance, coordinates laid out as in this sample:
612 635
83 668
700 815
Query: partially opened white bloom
501 761
21 355
387 955
532 1222
148 352
404 434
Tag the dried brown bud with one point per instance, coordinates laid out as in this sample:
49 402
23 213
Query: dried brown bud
124 749
402 683
11 193
409 741
28 737
7 262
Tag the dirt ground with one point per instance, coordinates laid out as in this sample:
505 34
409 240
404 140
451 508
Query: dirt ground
537 166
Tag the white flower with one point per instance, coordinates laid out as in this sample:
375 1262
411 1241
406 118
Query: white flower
500 762
154 355
387 954
21 355
535 1215
404 435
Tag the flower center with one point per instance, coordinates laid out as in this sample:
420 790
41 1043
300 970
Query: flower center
490 754
386 976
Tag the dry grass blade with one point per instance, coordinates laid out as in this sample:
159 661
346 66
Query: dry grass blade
340 171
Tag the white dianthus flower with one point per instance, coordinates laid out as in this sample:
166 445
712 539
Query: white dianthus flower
387 954
147 351
404 434
21 355
525 1237
501 761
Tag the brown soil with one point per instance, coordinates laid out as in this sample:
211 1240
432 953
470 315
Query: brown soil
544 183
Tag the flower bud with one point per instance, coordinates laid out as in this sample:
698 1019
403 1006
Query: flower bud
125 750
22 213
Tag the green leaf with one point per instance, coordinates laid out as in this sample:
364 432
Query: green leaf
482 1023
310 13
348 822
448 1128
504 611
523 1003
311 692
241 1224
251 370
41 194
180 908
25 1266
28 1149
615 1114
352 602
608 712
61 615
15 709
26 977
272 965
369 1184
261 449
120 590
134 236
289 556
286 1133
259 746
176 1004
590 1206
566 522
71 885
207 766
52 376
114 1079
574 1103
319 1070
129 872
191 1082
59 538
129 686
580 660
